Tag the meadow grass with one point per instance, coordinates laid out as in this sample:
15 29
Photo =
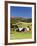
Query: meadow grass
21 35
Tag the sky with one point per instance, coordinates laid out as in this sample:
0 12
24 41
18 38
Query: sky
25 12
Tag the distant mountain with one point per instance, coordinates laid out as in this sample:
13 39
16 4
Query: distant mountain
17 19
12 17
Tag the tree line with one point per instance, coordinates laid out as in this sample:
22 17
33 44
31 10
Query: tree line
19 19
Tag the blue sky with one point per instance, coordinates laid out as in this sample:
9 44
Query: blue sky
25 12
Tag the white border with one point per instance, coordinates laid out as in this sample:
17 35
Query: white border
22 40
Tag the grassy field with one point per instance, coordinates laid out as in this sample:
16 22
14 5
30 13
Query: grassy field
24 24
21 35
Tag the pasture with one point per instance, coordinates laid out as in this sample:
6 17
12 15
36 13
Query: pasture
21 35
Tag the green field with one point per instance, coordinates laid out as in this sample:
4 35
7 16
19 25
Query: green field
24 24
21 35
